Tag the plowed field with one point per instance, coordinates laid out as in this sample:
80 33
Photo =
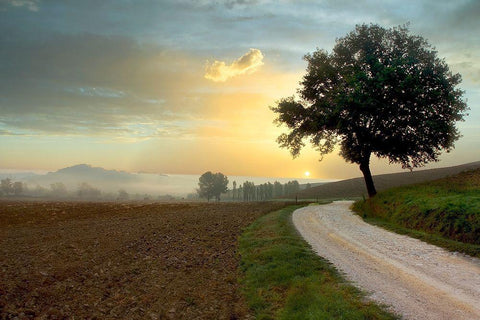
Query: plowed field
137 261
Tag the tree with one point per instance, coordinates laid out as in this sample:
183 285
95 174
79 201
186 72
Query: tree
248 191
380 91
6 186
277 189
17 188
234 190
58 189
212 185
122 195
87 191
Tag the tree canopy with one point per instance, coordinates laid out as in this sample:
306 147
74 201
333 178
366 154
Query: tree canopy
380 91
212 185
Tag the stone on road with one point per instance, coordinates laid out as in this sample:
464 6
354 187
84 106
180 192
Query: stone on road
417 280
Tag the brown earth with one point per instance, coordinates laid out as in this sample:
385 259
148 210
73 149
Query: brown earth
138 261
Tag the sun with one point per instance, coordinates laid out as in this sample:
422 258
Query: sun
307 174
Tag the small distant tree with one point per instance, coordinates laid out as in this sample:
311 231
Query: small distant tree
17 188
234 190
381 92
212 185
6 186
240 192
122 195
58 189
40 191
87 191
277 189
249 191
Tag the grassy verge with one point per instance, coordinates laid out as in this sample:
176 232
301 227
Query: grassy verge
285 279
444 212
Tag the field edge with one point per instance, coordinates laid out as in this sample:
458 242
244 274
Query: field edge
283 278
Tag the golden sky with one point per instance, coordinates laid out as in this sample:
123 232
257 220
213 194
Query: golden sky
185 86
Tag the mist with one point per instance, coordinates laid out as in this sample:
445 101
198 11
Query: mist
87 182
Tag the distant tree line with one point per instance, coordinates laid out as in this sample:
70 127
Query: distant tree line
248 191
8 187
212 185
59 190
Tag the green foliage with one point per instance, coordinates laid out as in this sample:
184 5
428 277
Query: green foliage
380 91
285 279
212 185
447 208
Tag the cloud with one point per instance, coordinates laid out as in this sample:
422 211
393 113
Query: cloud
219 71
31 5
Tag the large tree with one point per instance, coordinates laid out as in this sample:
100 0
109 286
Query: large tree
212 185
380 91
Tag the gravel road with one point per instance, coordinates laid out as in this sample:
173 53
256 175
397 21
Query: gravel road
418 280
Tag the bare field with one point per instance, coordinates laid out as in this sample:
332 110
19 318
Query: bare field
108 260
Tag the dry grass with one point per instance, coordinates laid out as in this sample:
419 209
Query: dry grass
136 261
355 188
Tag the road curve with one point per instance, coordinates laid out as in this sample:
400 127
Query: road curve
417 280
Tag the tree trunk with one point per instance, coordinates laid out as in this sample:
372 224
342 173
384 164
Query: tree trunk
367 175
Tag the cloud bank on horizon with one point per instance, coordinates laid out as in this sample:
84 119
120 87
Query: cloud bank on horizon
126 86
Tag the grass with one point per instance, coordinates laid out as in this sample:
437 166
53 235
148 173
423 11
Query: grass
445 212
284 279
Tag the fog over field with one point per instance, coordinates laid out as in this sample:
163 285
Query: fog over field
143 183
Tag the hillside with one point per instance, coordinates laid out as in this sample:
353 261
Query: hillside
356 187
447 208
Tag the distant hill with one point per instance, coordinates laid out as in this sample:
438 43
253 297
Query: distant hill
111 181
88 172
83 173
356 187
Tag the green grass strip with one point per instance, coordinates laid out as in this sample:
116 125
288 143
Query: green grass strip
284 279
448 244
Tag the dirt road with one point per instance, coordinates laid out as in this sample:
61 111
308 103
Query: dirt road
418 280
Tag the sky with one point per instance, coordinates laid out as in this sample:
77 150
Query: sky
185 87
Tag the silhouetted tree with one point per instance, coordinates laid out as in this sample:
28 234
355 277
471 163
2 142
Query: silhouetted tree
40 191
380 91
122 195
58 189
277 189
17 188
6 186
291 188
212 185
234 191
249 191
87 191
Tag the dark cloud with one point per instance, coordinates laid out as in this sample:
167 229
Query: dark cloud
91 84
230 4
81 66
31 5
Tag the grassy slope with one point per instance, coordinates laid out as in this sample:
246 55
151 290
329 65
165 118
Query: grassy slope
352 188
285 279
444 212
